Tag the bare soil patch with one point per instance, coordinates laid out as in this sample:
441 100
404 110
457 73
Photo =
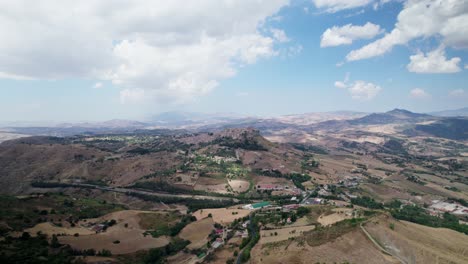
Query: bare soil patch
353 247
339 214
50 229
268 236
239 185
222 215
419 244
131 238
197 232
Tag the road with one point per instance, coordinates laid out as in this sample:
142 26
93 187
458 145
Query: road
252 233
379 246
160 194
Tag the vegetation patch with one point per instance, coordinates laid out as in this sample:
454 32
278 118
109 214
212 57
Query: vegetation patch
418 215
322 235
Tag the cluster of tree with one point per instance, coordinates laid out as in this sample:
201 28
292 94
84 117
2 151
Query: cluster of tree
158 255
192 204
186 219
28 249
416 214
244 142
40 184
368 202
248 243
163 186
296 178
309 148
139 151
415 179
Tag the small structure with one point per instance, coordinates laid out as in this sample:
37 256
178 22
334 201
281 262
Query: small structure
269 187
290 207
255 206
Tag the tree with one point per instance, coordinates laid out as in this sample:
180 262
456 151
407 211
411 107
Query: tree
54 242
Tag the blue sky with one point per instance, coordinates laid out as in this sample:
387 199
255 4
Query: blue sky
253 58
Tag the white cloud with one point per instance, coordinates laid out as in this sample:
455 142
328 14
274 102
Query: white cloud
419 93
434 62
345 83
332 6
97 85
361 90
340 84
457 93
168 50
345 35
466 66
294 50
422 19
4 75
279 35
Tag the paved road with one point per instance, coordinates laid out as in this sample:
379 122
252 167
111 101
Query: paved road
161 194
252 233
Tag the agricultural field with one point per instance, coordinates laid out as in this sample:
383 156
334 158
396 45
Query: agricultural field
197 232
222 215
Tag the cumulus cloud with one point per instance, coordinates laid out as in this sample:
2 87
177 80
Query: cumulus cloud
433 62
333 6
345 35
457 93
361 90
279 35
422 19
97 85
419 93
166 50
340 84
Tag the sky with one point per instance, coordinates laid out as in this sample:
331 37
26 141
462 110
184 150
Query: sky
92 60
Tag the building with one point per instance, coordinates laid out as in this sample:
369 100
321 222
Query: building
269 187
289 207
256 206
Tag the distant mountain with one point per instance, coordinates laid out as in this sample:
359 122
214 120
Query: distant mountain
190 119
451 128
452 113
114 123
393 116
316 117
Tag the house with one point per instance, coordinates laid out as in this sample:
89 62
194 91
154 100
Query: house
289 207
245 234
269 187
323 192
219 242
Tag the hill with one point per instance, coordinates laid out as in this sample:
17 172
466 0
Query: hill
452 113
393 116
186 161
